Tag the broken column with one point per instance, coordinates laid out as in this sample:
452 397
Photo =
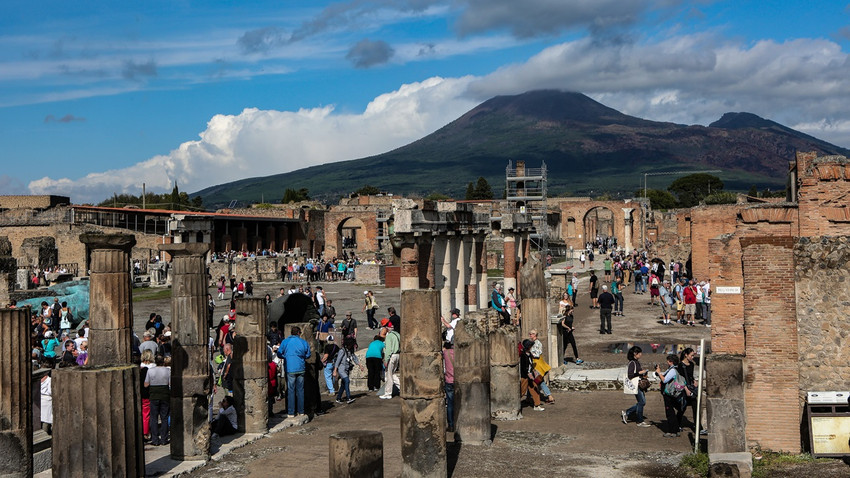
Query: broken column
250 354
505 401
481 270
408 254
103 405
510 261
472 379
423 408
16 394
190 368
356 454
534 309
111 301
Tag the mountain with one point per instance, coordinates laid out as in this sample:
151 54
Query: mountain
589 149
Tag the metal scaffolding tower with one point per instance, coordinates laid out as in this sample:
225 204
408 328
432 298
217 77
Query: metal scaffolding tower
525 192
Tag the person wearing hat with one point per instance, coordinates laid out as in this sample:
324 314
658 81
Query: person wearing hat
527 382
450 324
328 356
392 346
148 343
666 301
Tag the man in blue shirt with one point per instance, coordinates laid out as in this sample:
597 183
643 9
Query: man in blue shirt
295 351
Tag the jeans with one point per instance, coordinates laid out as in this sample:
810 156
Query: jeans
544 389
637 408
618 302
374 367
329 377
159 432
222 426
294 389
450 405
370 318
605 320
642 283
671 409
344 381
706 312
569 339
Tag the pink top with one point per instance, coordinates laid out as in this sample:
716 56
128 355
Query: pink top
448 365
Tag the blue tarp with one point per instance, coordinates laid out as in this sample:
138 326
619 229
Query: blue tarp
75 293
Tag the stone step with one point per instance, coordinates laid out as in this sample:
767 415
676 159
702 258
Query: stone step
562 378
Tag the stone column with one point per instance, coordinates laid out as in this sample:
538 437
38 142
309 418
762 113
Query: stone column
409 267
430 278
190 368
472 380
504 370
481 267
356 454
228 242
726 409
423 408
510 261
443 268
98 426
270 238
111 294
242 238
534 309
16 422
627 232
250 359
462 271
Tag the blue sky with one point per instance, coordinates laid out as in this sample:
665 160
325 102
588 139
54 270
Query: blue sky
98 97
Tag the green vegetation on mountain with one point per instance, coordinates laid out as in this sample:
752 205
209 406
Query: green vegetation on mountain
589 150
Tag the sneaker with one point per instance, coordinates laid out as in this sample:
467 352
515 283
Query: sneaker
291 415
338 401
625 417
539 408
350 400
579 361
703 432
644 425
385 397
669 435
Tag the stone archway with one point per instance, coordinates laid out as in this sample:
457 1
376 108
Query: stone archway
351 235
599 222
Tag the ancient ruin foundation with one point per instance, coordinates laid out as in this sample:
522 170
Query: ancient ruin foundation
251 382
472 380
15 394
356 454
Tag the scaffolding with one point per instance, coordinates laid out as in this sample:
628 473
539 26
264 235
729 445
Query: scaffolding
525 193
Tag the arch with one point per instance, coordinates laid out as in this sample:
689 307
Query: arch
599 221
351 235
571 227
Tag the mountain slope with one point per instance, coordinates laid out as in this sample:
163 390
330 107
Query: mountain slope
588 148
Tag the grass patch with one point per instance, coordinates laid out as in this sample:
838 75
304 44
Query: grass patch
495 273
773 461
151 294
696 462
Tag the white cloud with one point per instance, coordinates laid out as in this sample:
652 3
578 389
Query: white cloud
262 142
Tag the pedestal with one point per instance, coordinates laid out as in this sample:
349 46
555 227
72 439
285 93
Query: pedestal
504 373
356 454
250 359
472 380
16 423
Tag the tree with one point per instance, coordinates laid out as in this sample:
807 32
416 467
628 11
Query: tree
367 190
753 192
721 197
483 190
470 192
659 199
437 197
291 195
691 189
175 196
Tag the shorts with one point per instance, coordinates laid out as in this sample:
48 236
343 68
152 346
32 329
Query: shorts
593 293
680 306
664 307
690 309
653 291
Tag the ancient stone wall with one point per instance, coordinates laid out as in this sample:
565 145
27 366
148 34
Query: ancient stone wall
771 370
708 222
32 202
365 218
824 184
823 312
727 310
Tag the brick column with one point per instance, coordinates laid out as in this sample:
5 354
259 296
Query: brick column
470 265
16 394
510 261
462 273
443 273
423 408
772 368
190 368
534 308
111 304
409 267
251 362
481 268
727 310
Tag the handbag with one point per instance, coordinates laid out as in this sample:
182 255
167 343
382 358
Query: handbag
643 384
630 385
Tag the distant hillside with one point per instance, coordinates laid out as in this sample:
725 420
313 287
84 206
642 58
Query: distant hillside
589 149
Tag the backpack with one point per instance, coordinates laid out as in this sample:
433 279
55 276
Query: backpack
655 281
675 387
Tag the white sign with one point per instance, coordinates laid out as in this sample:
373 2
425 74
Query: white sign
727 290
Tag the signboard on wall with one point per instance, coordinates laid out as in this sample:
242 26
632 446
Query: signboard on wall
727 290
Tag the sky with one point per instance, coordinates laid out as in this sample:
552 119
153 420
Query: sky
100 97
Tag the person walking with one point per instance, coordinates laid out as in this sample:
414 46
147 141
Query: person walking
567 330
528 376
606 303
328 358
672 401
392 346
449 375
633 370
295 351
345 361
370 305
158 383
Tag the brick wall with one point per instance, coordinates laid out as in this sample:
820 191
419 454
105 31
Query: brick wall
727 310
770 322
824 184
708 222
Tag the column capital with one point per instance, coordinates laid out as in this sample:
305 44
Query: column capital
185 248
109 241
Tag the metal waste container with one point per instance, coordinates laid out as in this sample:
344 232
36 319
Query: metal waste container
829 423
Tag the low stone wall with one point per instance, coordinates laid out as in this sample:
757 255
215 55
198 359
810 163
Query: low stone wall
372 274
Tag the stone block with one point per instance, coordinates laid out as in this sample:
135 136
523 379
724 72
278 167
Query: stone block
420 310
730 465
472 406
190 431
503 346
188 285
5 246
111 300
726 379
727 425
504 393
190 326
421 375
423 438
110 346
109 415
356 454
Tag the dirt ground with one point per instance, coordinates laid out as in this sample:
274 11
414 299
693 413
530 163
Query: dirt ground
581 435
